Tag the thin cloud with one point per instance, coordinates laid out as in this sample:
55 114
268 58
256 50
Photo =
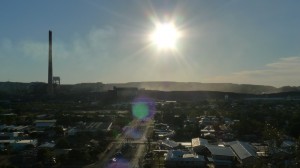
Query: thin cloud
82 53
284 72
95 42
34 50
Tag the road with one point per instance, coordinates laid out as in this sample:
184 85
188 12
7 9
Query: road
140 143
141 147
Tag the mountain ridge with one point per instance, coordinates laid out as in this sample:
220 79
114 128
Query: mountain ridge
13 87
198 86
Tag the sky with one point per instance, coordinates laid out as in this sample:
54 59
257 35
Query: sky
222 41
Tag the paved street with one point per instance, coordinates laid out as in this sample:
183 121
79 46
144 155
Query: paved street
141 147
115 146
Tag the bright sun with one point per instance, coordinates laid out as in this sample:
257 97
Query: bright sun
165 36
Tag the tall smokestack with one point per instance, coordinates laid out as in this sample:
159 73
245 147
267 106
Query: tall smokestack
50 73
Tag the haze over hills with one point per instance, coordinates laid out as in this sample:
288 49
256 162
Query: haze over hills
13 87
197 86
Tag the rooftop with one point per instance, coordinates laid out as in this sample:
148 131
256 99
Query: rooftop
220 151
242 149
199 142
183 155
45 121
169 143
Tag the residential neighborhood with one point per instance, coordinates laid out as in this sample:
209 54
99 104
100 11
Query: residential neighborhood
179 134
150 84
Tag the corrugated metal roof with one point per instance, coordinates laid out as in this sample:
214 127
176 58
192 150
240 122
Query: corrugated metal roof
220 151
242 149
98 125
45 121
170 143
179 155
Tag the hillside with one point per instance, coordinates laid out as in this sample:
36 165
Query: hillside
196 86
17 87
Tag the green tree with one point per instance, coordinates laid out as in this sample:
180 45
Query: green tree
44 154
62 143
273 134
297 150
79 155
7 166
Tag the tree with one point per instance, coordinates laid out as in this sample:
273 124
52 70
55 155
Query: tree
59 131
29 147
44 154
62 143
7 166
273 135
297 150
79 155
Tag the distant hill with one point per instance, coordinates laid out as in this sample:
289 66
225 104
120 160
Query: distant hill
13 87
17 87
196 86
41 87
193 95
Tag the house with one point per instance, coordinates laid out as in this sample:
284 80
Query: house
22 144
208 132
49 145
17 145
219 156
187 145
90 127
183 159
95 126
246 154
208 129
288 145
284 152
162 131
199 144
220 153
168 144
43 124
72 131
164 134
161 127
261 149
13 128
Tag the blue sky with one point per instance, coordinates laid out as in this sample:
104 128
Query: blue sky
228 41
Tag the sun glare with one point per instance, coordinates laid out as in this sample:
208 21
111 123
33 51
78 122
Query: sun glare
165 36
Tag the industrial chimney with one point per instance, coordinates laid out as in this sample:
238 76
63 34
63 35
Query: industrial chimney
50 73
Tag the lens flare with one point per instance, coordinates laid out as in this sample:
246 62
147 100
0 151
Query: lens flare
118 163
132 133
143 108
140 110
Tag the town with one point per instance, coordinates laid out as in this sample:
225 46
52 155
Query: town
134 130
149 84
